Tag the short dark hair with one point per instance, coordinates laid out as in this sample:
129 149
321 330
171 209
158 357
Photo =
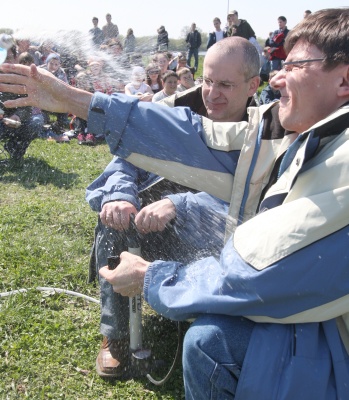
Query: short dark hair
168 74
328 31
282 18
95 19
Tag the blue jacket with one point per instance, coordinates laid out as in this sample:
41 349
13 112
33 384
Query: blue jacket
121 181
292 277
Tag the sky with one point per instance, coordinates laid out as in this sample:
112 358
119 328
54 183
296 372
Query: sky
145 16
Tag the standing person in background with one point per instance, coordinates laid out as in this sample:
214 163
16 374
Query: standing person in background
96 33
277 51
110 30
268 41
239 27
129 43
217 35
193 42
162 41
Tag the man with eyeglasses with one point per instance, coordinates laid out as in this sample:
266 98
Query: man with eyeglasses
286 269
115 195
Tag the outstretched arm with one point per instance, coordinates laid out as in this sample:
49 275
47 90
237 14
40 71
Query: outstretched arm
43 90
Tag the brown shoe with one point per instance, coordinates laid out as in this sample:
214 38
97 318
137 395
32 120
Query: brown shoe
112 359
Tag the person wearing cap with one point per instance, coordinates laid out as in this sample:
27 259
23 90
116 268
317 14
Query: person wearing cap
110 30
239 27
96 33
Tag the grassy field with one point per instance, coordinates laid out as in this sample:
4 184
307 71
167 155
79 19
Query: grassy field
49 342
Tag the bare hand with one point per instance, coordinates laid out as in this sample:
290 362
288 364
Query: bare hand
146 97
128 278
153 218
116 214
43 90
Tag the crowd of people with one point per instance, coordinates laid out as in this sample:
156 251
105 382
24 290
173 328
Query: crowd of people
257 187
111 67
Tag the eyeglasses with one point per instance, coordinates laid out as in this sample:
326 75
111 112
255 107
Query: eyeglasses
153 72
290 65
221 86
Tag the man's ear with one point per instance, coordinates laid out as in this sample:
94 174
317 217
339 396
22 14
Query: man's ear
254 85
343 90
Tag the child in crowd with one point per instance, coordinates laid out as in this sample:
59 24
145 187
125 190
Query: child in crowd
53 65
170 82
37 117
162 61
79 125
269 94
265 65
137 87
99 80
186 80
153 77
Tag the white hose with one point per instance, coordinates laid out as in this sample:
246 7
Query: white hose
51 289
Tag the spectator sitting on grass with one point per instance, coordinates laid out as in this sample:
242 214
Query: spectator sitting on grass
186 80
170 82
269 94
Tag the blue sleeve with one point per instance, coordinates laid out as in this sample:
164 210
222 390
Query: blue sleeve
200 219
314 278
119 181
154 131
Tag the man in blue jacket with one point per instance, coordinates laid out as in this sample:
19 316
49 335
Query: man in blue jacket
272 314
116 194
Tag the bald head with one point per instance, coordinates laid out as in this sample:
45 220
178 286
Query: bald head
231 76
238 52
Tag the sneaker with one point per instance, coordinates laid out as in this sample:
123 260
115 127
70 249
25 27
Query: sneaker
81 138
90 139
112 359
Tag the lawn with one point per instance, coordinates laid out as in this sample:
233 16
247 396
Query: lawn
49 341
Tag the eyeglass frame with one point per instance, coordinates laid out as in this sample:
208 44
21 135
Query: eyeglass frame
283 63
227 85
154 72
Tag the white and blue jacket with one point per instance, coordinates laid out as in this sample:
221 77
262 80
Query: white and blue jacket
286 269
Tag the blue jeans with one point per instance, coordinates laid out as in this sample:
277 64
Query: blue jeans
195 53
213 354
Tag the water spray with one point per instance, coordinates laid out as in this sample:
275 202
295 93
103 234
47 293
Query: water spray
6 42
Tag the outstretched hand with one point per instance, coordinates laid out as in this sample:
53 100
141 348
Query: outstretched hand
42 90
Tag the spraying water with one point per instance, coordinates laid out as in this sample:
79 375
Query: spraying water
6 42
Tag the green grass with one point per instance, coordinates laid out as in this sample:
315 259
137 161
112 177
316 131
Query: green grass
49 342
